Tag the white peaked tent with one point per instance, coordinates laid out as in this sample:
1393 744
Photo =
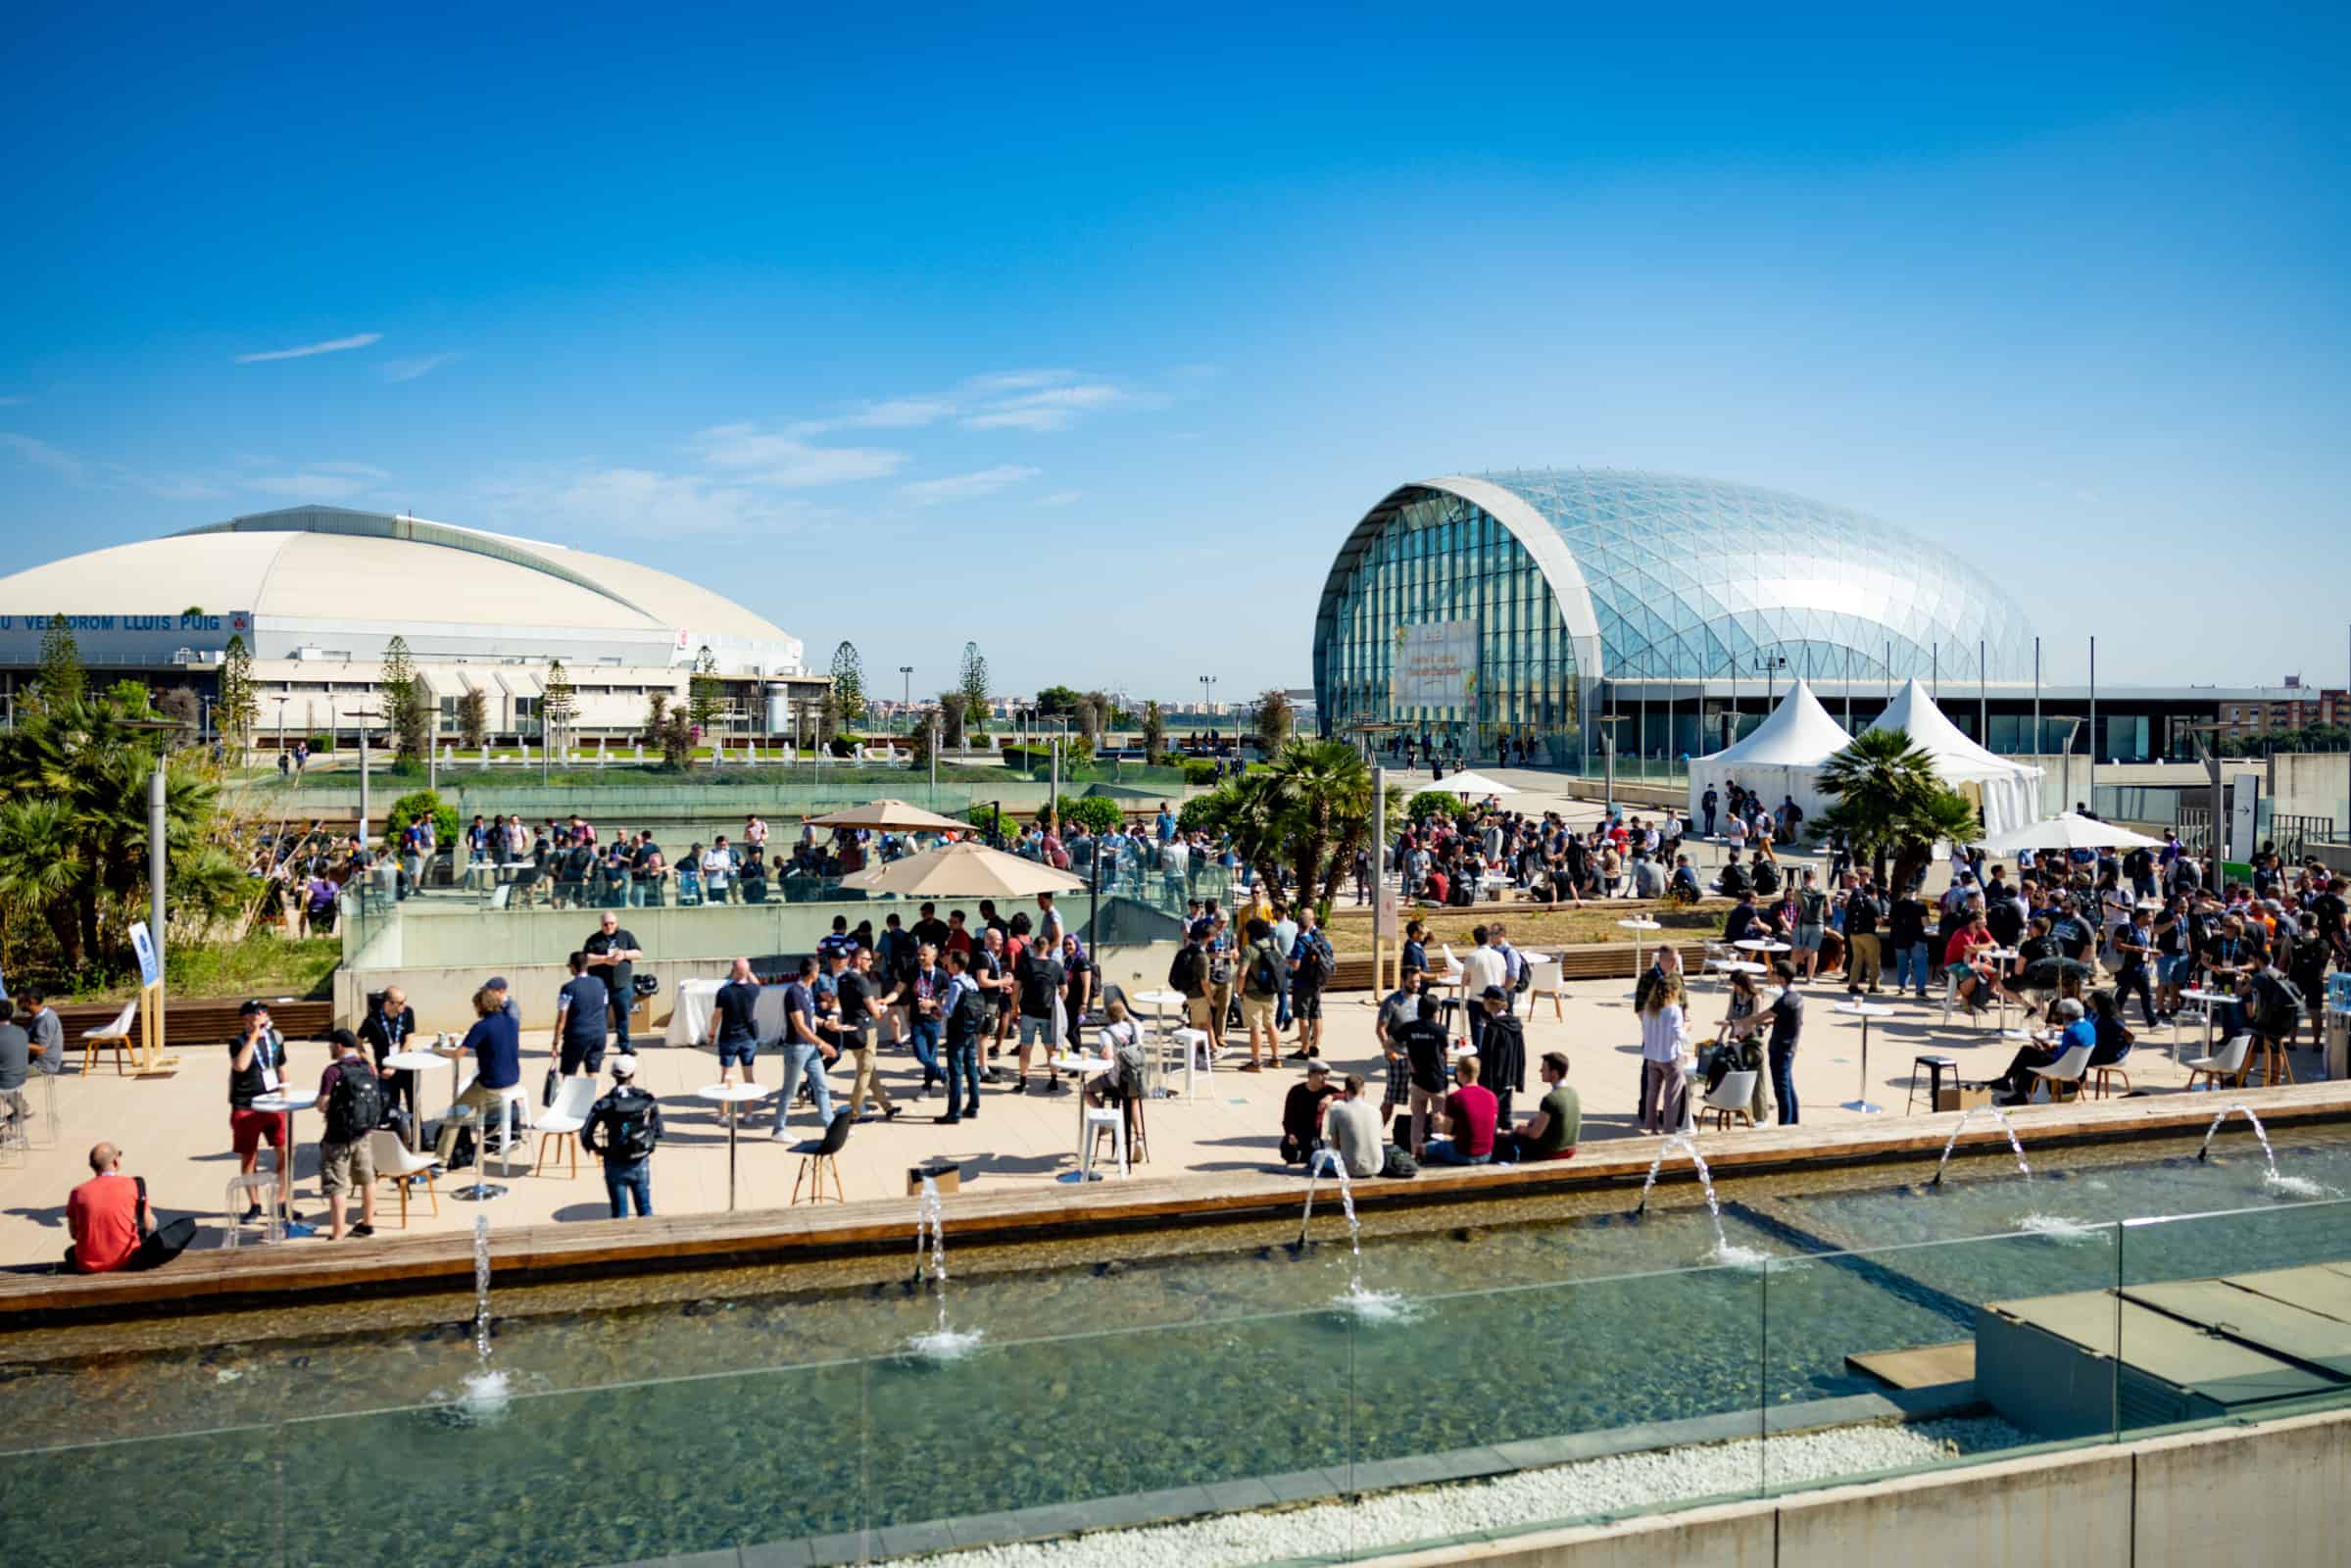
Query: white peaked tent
2008 792
1780 758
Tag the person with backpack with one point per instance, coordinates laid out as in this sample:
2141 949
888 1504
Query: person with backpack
623 1127
1261 988
966 1011
1312 963
354 1095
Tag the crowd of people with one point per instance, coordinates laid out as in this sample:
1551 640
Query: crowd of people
1444 859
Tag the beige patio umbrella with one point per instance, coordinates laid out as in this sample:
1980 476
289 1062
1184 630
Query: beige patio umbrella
890 815
966 870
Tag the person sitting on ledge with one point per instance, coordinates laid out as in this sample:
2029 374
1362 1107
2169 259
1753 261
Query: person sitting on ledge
1354 1131
1468 1121
1551 1132
1302 1113
1734 880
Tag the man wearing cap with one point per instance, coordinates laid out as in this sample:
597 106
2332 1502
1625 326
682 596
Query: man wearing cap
1302 1113
623 1128
1501 1050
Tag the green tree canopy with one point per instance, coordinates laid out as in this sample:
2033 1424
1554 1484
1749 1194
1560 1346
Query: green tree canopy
849 683
60 683
971 683
235 705
1891 802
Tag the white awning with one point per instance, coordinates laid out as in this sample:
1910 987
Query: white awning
517 681
439 682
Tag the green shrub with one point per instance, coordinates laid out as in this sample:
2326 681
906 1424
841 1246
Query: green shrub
1198 770
1098 813
322 743
444 817
1435 803
988 819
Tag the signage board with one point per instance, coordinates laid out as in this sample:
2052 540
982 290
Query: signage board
151 968
1436 665
117 637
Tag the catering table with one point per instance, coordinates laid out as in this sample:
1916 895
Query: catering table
694 1001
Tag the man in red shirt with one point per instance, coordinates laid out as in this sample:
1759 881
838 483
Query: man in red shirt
108 1216
1470 1113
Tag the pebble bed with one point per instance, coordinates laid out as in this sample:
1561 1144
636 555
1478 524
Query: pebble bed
1561 1494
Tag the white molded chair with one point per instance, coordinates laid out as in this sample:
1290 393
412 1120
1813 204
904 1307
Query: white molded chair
1731 1098
1543 980
2068 1069
116 1034
2227 1062
1193 1043
562 1122
393 1163
1951 1000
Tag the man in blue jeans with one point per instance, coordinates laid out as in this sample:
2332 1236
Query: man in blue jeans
805 1051
1787 1015
923 994
623 1127
1906 934
963 1009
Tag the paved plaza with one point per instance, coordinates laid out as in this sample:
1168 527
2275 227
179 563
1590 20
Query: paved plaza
175 1131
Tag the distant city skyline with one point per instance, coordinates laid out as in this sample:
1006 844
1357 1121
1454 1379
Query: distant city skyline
1091 341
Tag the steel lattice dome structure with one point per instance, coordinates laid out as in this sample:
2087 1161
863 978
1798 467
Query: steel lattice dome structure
1506 603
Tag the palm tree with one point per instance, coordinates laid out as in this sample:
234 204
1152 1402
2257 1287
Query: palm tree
1890 801
1306 815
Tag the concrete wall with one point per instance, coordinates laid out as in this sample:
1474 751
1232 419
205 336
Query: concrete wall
2269 1493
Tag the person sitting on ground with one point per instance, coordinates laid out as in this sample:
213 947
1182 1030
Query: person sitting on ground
107 1216
2015 1085
1470 1114
1301 1113
623 1128
1734 880
1551 1132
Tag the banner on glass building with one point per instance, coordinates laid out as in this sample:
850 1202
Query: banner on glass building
1436 665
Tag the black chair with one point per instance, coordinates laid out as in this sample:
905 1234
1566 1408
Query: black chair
815 1160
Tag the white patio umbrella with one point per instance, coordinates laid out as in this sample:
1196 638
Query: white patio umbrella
888 814
1467 785
2068 830
966 870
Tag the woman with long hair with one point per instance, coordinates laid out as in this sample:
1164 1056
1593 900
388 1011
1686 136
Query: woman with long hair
1664 1044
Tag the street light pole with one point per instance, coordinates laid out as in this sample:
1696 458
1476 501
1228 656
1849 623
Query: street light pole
906 703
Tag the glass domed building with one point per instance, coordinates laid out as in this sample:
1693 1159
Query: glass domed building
1523 605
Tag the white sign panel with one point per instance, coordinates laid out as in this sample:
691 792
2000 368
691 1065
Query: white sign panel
1436 665
142 944
2245 794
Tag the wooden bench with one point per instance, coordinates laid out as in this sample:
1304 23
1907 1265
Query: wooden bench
1583 960
196 1021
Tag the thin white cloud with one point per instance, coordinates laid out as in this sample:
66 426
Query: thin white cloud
1062 498
967 486
1049 409
409 369
634 504
780 457
41 454
333 344
1002 382
325 481
890 414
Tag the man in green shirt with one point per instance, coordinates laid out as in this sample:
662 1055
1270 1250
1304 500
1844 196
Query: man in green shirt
1551 1132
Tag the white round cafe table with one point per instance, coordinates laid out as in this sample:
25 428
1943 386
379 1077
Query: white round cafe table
1760 945
422 1061
1865 1011
732 1097
288 1100
1636 925
1155 1000
1084 1067
2208 1004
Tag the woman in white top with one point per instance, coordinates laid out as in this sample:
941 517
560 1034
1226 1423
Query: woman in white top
1664 1042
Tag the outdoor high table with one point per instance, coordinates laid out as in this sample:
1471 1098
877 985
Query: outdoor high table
694 1002
1084 1067
1157 1000
288 1100
2006 957
1865 1011
731 1096
422 1061
1636 925
2207 1002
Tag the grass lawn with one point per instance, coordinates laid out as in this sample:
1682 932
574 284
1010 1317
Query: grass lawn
1531 926
262 964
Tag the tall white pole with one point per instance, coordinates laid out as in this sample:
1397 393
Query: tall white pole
2093 724
158 848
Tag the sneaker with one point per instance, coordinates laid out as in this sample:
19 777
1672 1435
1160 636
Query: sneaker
946 1122
888 1113
1021 1087
251 1216
362 1228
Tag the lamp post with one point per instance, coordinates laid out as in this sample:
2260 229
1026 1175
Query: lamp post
1608 724
906 703
1206 683
359 728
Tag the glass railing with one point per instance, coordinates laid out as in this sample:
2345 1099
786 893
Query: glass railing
1543 1404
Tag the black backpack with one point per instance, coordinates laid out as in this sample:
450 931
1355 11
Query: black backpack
1189 974
972 1011
1264 976
356 1109
1767 880
628 1117
1314 964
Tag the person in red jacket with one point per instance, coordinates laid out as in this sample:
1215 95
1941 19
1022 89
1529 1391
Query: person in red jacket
108 1216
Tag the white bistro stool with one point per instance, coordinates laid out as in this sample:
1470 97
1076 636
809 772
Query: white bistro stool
482 1191
1197 1055
1101 1119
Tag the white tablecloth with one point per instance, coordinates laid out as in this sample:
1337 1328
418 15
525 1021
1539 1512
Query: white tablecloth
696 999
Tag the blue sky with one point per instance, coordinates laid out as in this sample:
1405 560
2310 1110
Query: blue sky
1090 337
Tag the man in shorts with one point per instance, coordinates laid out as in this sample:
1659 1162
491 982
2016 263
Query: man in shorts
735 1018
345 1160
1812 919
1310 963
257 1059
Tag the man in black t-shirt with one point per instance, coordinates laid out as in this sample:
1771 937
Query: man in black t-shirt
612 954
929 928
861 1008
580 1011
734 1017
1863 911
1424 1043
1040 977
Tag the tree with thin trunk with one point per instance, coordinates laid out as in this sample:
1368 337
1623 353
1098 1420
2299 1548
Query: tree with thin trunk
559 706
1155 732
397 685
473 719
849 683
60 683
1276 718
235 706
972 683
952 717
705 694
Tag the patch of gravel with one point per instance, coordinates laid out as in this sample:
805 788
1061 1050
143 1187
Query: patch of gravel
1398 1519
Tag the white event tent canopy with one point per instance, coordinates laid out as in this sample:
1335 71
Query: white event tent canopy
1779 758
2009 792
